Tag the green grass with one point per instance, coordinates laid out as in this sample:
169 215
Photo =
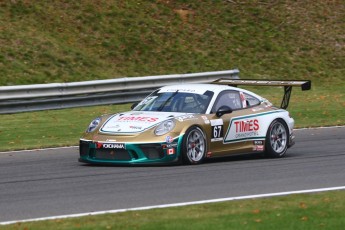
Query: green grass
59 41
306 211
52 128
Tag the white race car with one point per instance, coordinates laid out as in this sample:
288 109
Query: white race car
190 122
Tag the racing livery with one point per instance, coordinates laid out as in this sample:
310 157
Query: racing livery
190 122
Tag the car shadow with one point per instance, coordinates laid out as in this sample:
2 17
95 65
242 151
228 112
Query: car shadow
233 158
239 157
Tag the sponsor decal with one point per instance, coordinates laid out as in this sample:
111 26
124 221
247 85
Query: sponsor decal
209 154
185 117
136 113
247 125
169 139
111 140
258 148
216 122
138 118
246 128
214 139
171 151
197 91
169 146
258 142
110 145
135 127
206 120
115 127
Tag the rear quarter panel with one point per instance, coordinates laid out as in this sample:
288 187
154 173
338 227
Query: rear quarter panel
242 128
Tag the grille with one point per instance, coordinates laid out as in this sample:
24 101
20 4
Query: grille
84 148
112 154
152 151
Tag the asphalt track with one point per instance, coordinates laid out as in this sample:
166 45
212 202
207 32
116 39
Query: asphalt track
51 182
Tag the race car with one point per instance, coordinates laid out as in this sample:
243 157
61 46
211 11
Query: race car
187 123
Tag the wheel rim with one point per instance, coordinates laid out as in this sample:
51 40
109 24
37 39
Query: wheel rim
195 145
278 137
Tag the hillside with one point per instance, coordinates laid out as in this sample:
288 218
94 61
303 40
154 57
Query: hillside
64 41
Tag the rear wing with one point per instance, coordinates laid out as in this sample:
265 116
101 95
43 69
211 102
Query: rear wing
304 84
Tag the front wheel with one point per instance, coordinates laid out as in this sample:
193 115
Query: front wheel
194 146
277 139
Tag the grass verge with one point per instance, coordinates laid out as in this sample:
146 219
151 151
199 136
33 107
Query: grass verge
52 128
304 211
58 41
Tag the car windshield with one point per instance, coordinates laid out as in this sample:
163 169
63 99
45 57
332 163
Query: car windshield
176 101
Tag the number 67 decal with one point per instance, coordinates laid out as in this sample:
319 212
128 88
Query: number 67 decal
217 130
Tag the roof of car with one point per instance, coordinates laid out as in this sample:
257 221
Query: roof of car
198 87
201 88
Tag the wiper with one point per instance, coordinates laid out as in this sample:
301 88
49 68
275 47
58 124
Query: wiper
160 108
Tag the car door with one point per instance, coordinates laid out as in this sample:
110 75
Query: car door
220 125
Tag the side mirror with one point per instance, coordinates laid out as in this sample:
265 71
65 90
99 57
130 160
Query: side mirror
223 110
134 105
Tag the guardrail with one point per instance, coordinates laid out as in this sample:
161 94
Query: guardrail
24 98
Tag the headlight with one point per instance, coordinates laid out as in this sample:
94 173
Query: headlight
165 127
93 125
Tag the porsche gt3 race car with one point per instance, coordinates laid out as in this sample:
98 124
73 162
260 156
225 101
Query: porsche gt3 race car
190 122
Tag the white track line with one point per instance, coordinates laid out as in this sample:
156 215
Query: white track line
323 127
175 205
36 150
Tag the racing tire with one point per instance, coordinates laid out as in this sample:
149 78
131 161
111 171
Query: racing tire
194 146
277 139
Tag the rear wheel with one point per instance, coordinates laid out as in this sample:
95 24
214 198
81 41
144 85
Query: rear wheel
194 146
277 139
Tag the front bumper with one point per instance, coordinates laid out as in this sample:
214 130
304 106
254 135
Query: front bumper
129 153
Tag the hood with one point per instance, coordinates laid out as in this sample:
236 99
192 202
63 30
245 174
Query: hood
136 121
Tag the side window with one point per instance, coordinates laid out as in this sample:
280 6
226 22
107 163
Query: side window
251 101
189 104
228 98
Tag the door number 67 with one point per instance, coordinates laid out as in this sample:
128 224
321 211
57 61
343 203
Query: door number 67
217 131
